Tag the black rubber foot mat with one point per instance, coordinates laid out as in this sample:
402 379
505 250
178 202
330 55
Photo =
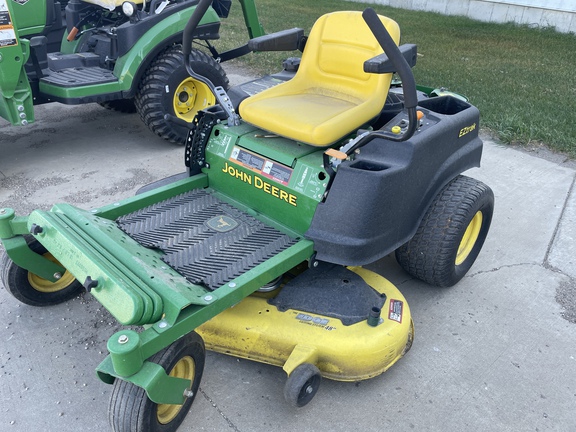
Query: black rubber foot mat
79 76
207 241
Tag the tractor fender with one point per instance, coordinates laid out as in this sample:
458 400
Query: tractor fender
131 67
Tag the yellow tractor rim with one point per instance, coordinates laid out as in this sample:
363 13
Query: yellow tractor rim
190 97
186 369
469 239
44 285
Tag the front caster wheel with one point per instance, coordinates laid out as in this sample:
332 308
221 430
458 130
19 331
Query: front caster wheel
451 233
33 290
130 410
302 385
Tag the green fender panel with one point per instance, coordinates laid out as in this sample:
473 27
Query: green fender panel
127 66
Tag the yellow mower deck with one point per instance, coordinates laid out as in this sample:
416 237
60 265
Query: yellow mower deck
256 330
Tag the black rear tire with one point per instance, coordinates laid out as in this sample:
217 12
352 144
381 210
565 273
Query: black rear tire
33 290
451 233
130 410
167 88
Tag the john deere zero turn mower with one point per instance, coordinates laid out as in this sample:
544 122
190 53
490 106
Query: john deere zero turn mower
125 55
257 250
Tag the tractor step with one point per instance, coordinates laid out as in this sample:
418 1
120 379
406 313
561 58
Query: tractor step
206 240
79 76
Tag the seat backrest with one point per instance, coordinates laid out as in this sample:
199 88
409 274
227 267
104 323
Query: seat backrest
336 50
330 96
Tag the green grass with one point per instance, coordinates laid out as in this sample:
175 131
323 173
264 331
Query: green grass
522 79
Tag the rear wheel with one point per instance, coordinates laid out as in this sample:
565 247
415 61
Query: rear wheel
451 233
130 409
167 88
32 289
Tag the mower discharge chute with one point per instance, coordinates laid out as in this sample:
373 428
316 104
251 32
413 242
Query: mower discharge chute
257 250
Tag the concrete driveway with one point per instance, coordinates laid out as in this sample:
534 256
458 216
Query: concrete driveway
497 352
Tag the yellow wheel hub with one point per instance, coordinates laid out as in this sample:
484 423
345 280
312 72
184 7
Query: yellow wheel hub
469 238
186 369
44 285
190 97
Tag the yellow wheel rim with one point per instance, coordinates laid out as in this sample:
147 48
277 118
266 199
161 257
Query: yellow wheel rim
190 97
186 369
44 285
469 239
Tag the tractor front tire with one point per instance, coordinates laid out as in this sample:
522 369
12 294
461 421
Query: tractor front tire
33 290
167 88
130 410
451 233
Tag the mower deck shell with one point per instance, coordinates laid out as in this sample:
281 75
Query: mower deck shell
256 330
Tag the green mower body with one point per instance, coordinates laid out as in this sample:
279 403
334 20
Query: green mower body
278 192
257 211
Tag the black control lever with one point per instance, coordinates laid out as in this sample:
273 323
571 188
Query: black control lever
408 83
187 37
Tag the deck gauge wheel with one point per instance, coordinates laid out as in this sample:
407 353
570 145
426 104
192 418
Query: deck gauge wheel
302 385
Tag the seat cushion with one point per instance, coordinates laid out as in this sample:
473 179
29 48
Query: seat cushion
330 95
312 118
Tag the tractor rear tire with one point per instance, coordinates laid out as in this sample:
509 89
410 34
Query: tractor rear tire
130 410
451 233
167 88
33 290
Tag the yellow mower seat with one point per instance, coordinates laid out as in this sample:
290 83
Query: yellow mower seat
330 96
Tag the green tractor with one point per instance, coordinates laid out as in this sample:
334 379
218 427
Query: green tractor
124 55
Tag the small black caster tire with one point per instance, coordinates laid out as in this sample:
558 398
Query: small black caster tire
130 410
302 385
32 289
451 233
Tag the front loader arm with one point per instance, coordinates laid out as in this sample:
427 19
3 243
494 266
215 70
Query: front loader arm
16 104
251 19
